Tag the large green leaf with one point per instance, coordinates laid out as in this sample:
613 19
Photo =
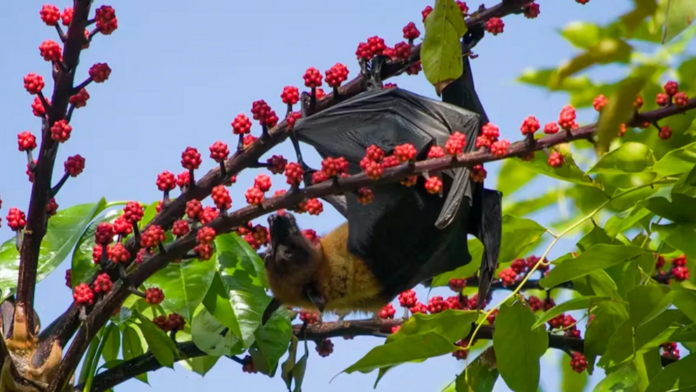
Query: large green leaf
519 236
630 157
64 229
607 50
518 347
633 19
212 337
161 345
134 345
582 35
678 15
678 161
112 347
618 110
200 365
184 284
272 339
679 236
623 379
441 53
646 302
625 220
681 208
482 374
411 348
452 324
685 300
676 376
217 302
596 258
608 316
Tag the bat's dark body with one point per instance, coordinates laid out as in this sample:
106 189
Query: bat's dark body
407 236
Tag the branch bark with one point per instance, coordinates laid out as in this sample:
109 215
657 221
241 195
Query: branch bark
43 171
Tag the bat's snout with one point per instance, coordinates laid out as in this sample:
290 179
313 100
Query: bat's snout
280 226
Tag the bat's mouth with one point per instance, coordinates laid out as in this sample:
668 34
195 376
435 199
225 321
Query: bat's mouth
281 227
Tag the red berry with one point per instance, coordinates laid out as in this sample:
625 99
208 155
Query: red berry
263 182
529 125
402 51
336 75
478 173
74 165
436 304
638 103
678 261
103 284
37 107
373 170
203 251
508 277
531 11
551 128
483 141
319 177
79 100
419 308
60 131
292 118
390 161
104 234
665 133
309 316
180 228
26 141
389 85
408 298
312 77
100 72
409 181
293 173
153 236
376 45
290 95
500 147
50 14
133 211
436 152
461 354
34 83
492 316
405 152
681 99
365 196
276 164
455 144
426 11
83 295
599 102
415 68
622 130
16 219
519 265
166 181
51 207
535 303
490 131
66 16
106 19
556 159
208 215
206 235
374 153
254 196
241 125
387 312
320 93
457 285
221 197
495 25
680 273
325 348
566 119
154 296
50 50
122 226
462 6
117 253
219 151
314 206
453 302
433 185
671 88
662 99
190 159
410 31
660 262
578 361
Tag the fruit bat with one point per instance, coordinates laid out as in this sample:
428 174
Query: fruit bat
406 236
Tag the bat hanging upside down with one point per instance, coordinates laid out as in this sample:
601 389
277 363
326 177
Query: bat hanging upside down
406 236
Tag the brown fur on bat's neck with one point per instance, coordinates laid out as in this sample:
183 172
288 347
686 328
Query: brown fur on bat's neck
324 276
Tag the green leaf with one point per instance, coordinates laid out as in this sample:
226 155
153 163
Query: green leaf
133 346
608 316
596 258
679 161
83 266
441 53
678 375
185 285
200 365
112 347
596 236
64 229
543 77
679 14
657 330
465 271
624 379
273 338
410 348
645 301
212 337
513 176
617 111
679 236
582 35
482 374
161 345
573 304
569 172
451 324
606 51
630 157
619 346
603 285
519 236
518 347
626 220
217 302
685 300
531 205
634 18
680 209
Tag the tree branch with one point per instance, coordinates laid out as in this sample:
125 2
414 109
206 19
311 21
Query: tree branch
43 172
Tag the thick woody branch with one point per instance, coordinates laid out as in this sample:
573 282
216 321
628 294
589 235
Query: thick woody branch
99 315
41 189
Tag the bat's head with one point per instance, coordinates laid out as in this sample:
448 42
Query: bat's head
290 251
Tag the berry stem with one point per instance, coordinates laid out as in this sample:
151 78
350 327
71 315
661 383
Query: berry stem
30 160
313 99
90 22
137 292
82 85
192 180
61 34
59 185
223 172
71 109
46 105
160 246
336 95
240 143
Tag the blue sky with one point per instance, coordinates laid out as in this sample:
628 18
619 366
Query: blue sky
183 70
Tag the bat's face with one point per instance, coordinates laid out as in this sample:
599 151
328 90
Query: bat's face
289 249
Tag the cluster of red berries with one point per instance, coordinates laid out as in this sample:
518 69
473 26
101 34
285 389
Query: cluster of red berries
495 25
154 296
309 316
436 304
74 165
191 159
670 350
264 114
16 219
373 47
152 237
489 138
672 95
60 131
336 75
221 197
248 365
462 353
578 361
172 323
103 284
387 312
679 271
106 19
83 294
324 347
